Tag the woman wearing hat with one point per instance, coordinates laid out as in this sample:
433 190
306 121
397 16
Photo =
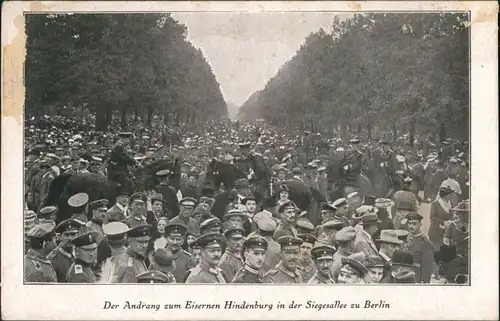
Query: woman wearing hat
457 233
441 216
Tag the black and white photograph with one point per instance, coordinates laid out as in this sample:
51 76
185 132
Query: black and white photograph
270 148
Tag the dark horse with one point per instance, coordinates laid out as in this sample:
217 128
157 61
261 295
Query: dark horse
340 185
100 187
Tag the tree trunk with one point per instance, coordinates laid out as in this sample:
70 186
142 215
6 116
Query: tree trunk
394 131
442 132
369 129
124 119
101 119
412 133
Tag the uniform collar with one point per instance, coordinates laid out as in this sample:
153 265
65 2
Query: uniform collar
309 266
64 252
323 278
35 255
231 253
133 254
204 265
251 270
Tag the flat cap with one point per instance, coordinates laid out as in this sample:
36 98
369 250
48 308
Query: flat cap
307 238
255 241
175 229
235 233
348 233
355 266
115 230
333 224
42 230
210 240
187 201
287 241
305 225
99 203
152 276
265 222
47 211
141 230
68 225
78 200
322 251
85 239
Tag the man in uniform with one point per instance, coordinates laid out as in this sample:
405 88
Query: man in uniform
37 186
47 213
288 214
234 218
131 263
62 256
323 260
36 266
287 270
168 192
207 271
352 272
119 160
175 234
350 167
211 225
85 249
117 212
231 260
253 252
345 239
364 241
137 210
78 204
162 261
99 209
187 205
306 264
115 233
421 248
266 226
153 276
341 212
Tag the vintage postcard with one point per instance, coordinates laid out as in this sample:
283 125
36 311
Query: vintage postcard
249 160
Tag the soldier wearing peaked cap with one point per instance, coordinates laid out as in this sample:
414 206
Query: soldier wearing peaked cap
287 226
211 225
352 272
266 225
132 262
207 271
62 256
231 260
304 226
162 261
99 209
187 206
78 203
138 210
175 234
119 160
37 268
253 253
153 276
306 264
421 248
234 218
323 259
287 270
85 256
48 213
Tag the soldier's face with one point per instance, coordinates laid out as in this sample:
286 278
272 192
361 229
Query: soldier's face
138 207
66 236
186 210
175 242
289 215
211 255
196 256
161 226
204 206
414 226
281 175
122 200
235 243
251 206
139 244
87 254
326 213
235 221
324 265
290 257
305 251
255 257
348 277
375 274
99 213
190 239
157 207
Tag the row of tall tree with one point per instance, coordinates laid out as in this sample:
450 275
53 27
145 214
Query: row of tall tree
118 65
373 74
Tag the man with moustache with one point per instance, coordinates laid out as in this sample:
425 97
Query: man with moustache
117 211
207 271
306 264
99 209
234 218
132 262
421 248
253 253
186 207
137 210
62 256
85 252
231 261
175 238
36 266
288 214
323 260
287 270
266 226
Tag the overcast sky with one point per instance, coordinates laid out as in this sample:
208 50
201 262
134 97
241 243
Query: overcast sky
246 49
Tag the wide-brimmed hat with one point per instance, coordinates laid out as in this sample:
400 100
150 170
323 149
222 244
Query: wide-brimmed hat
389 236
370 218
162 260
383 203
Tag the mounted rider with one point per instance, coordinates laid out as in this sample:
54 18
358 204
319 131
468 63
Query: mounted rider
254 166
350 167
119 159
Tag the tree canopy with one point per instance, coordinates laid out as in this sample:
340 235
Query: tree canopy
125 65
374 73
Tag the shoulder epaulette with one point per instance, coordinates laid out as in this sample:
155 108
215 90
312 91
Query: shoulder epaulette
272 271
78 269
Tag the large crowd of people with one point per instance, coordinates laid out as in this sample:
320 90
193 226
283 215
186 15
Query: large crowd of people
243 203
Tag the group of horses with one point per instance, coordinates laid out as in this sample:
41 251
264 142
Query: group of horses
307 198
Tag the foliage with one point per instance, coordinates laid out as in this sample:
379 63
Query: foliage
392 71
123 64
